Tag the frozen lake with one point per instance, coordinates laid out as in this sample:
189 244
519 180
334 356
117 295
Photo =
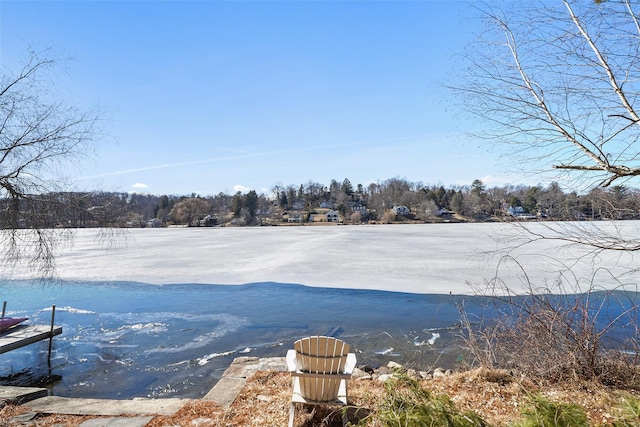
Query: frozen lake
391 291
428 258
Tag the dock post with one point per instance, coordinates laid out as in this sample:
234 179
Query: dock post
4 308
53 318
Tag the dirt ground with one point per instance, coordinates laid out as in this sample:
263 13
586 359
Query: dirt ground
264 401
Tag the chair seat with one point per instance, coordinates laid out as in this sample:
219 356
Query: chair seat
340 399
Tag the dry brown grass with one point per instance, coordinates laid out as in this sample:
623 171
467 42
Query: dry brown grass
45 420
264 401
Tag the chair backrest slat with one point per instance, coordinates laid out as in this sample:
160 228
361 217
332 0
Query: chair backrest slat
321 355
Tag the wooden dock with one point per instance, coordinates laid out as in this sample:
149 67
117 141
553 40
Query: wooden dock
22 335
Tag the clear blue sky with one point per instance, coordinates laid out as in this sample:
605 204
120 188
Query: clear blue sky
210 96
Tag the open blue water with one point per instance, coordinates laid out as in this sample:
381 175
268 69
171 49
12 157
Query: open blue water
122 340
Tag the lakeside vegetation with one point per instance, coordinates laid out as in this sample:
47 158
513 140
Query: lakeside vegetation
392 200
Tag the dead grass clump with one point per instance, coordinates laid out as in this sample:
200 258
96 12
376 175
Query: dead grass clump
495 396
264 401
496 401
500 376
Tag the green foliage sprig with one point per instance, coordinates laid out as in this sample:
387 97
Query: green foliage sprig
629 409
545 413
406 403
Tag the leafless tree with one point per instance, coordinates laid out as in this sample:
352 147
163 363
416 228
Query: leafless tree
559 83
40 134
189 210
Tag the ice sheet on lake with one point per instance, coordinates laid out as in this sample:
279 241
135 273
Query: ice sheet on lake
124 339
428 258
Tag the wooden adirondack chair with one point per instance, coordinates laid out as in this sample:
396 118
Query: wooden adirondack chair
320 367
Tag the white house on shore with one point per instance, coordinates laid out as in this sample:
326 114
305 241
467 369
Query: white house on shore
520 213
332 216
329 216
400 210
154 223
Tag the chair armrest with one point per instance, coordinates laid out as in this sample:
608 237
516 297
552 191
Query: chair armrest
350 364
291 361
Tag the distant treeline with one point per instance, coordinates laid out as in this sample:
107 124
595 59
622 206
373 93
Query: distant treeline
378 202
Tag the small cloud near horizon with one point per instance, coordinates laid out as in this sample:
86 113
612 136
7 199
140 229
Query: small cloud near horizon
140 185
241 188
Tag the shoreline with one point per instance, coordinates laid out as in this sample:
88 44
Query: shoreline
263 391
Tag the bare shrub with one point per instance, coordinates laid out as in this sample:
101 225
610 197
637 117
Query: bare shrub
388 217
356 218
559 335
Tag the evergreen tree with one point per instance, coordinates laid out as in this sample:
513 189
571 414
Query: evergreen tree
347 188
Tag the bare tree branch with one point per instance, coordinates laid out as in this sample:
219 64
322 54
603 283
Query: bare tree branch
38 134
557 84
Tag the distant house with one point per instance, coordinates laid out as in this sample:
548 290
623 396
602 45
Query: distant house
400 210
516 210
208 221
329 216
520 212
294 218
444 212
332 216
154 223
298 205
326 205
359 208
